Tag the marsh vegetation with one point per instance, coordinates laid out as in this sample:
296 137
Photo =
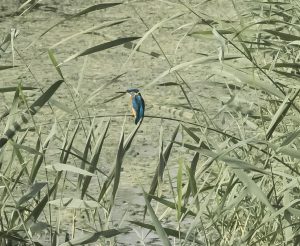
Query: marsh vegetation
215 160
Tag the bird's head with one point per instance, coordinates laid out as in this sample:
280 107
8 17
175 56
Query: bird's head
133 92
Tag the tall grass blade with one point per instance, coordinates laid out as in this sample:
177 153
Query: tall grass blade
281 112
122 149
172 205
290 137
33 109
31 193
118 169
158 227
192 185
94 160
112 174
246 49
164 157
67 147
94 8
35 213
82 12
232 162
12 236
283 65
14 88
128 140
39 208
253 188
202 60
149 32
55 63
100 47
37 164
106 184
74 203
252 81
282 35
13 109
45 97
93 237
26 148
62 107
114 98
169 232
179 189
85 153
6 67
191 133
68 168
94 28
161 163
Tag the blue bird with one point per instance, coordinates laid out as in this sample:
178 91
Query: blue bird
138 104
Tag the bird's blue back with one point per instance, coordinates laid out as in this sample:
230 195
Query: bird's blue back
138 105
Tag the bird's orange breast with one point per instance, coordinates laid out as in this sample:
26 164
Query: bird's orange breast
132 109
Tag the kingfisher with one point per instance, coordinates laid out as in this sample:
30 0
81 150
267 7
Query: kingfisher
138 104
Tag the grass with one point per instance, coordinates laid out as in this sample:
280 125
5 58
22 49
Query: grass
225 176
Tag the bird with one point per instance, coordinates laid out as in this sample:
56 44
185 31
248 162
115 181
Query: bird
138 104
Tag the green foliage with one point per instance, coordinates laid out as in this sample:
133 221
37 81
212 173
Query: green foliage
229 176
